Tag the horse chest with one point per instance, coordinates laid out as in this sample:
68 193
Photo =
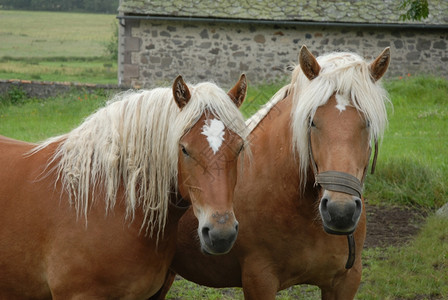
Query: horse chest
314 259
123 268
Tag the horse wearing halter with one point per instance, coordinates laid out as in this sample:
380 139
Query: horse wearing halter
345 183
335 180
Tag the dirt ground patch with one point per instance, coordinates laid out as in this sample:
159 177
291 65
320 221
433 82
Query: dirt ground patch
391 226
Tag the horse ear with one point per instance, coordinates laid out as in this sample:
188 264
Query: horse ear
379 66
238 92
308 63
181 92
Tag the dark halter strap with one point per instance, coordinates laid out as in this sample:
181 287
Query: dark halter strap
345 183
340 182
375 156
351 252
350 178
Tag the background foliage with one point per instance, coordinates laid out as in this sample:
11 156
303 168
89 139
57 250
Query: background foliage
415 10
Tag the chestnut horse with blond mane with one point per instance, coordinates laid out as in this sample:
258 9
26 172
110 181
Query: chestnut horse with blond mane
301 212
93 214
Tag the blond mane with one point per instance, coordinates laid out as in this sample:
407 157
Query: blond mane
344 73
256 118
132 143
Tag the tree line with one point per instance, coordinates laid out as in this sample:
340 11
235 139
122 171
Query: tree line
94 6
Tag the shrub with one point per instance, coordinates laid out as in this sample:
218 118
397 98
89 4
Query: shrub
14 95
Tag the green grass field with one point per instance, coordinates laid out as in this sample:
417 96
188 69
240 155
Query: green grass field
413 157
53 46
51 34
412 169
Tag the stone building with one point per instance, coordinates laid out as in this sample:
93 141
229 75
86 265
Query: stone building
217 40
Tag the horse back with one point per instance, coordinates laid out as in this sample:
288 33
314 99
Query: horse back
47 250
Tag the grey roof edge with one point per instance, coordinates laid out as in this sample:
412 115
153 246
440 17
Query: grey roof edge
284 22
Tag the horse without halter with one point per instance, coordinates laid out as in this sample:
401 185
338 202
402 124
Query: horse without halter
311 146
93 213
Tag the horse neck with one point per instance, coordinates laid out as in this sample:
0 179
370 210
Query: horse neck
271 143
272 149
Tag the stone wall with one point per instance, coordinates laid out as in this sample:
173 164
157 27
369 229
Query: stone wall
155 52
45 89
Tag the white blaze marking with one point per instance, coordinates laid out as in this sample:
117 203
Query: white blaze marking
342 101
214 131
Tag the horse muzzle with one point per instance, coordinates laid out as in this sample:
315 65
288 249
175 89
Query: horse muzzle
341 205
340 216
219 236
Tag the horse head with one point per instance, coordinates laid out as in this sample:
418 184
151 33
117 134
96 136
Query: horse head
207 169
341 129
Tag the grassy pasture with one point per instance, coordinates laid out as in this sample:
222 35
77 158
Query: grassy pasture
412 164
36 119
51 34
58 46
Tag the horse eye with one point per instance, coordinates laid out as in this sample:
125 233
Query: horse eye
368 124
184 151
312 124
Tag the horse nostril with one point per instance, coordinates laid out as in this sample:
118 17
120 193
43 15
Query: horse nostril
206 234
236 227
324 203
205 230
324 209
358 209
358 203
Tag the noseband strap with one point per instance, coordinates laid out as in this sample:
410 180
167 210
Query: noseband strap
340 182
